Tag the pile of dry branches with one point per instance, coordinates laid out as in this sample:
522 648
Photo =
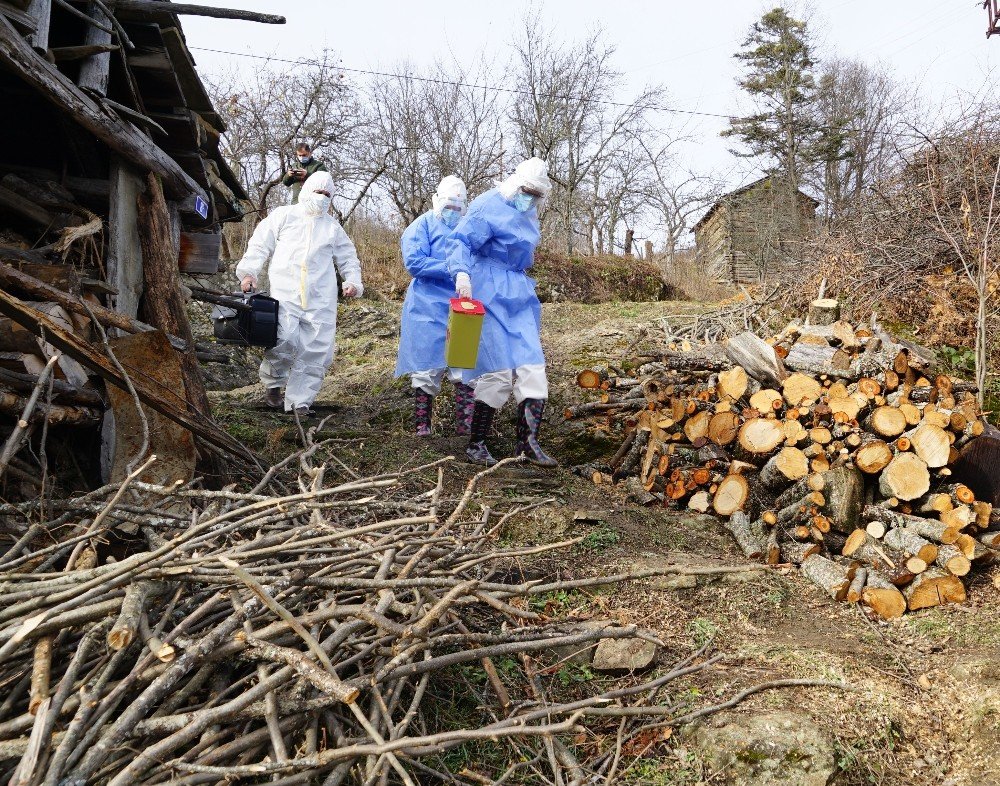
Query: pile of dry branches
288 633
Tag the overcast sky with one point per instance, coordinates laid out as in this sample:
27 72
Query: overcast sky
684 45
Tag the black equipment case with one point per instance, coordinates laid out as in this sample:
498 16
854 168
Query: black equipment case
248 320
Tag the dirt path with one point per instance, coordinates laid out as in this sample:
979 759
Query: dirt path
926 709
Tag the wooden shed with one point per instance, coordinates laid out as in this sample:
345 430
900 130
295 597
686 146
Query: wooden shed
111 186
750 233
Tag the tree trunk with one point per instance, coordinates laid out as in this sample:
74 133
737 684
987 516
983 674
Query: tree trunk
163 305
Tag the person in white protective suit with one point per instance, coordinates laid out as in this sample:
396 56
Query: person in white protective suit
492 248
303 243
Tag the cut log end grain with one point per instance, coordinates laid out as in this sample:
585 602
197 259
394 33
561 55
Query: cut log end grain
905 477
590 379
824 311
731 495
766 400
886 603
931 443
872 457
934 587
761 436
887 421
723 428
801 389
953 560
733 383
786 466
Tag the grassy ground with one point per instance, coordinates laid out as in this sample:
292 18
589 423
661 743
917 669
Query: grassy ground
926 704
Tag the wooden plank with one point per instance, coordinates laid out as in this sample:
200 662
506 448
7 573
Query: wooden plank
195 95
124 255
63 54
144 9
200 252
121 137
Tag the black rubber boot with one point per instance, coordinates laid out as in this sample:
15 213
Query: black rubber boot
482 421
529 420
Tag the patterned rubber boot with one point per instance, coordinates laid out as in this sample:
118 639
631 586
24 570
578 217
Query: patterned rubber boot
482 420
529 420
423 403
465 402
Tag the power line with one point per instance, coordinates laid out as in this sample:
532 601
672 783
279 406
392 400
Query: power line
456 83
516 91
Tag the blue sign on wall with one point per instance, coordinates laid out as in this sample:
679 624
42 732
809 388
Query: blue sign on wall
201 207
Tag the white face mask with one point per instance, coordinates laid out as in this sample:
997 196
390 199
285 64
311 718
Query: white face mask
315 204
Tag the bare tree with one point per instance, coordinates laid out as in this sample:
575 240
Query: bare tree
866 107
433 124
567 115
268 109
963 171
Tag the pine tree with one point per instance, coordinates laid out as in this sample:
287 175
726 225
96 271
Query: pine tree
779 61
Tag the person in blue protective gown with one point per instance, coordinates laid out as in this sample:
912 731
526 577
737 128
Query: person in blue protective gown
491 250
425 308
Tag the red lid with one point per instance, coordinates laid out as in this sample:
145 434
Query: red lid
467 306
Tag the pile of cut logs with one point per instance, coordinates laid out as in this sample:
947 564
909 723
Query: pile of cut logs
831 446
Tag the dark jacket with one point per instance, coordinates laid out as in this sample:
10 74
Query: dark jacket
296 185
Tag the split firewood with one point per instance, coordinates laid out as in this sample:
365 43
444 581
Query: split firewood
748 537
906 540
882 597
856 589
832 577
926 528
953 560
932 588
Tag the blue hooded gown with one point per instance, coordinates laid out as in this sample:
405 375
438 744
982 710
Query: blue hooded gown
425 307
495 244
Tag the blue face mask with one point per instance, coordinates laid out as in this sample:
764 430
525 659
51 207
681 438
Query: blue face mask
523 202
450 217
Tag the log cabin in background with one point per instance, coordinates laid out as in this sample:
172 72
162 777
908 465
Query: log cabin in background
111 186
750 234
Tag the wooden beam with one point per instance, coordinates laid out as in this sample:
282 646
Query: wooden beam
163 400
18 17
121 137
62 54
95 71
41 12
148 8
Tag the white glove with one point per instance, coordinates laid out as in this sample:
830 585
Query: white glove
349 290
463 285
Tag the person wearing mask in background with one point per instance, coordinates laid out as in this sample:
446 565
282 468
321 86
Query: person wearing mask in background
491 249
425 308
303 243
305 166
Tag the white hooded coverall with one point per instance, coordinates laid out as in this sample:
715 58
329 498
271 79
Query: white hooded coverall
303 246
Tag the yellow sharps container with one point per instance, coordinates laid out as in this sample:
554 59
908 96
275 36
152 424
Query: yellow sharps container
465 325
